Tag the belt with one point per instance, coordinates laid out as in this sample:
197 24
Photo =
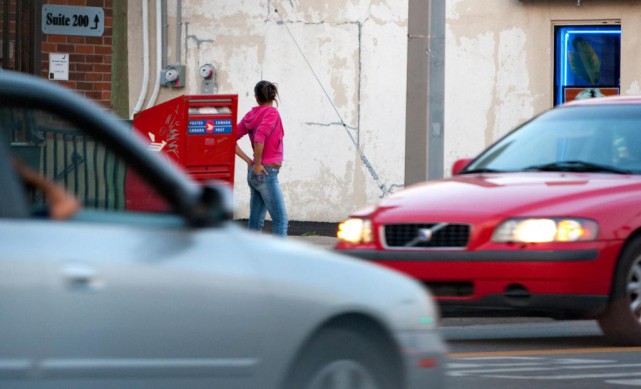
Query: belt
273 165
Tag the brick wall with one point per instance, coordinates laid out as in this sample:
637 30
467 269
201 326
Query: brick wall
89 57
10 61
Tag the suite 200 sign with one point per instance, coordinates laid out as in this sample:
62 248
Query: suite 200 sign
71 20
62 20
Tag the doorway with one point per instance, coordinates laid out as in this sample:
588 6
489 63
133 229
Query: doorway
20 35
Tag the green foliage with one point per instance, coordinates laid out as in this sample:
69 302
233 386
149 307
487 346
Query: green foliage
585 62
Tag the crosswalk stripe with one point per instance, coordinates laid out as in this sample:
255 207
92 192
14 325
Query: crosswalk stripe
636 382
545 352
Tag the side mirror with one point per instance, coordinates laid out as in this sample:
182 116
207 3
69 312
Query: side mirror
216 205
459 165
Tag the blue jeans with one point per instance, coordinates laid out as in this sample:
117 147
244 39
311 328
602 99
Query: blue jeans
266 196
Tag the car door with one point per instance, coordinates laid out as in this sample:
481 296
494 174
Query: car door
162 306
125 305
22 289
129 298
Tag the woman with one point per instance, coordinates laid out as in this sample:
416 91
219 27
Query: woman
265 130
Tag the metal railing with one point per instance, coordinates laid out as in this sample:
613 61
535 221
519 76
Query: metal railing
72 159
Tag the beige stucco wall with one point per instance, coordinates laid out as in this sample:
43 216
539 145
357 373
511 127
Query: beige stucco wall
358 51
500 59
498 73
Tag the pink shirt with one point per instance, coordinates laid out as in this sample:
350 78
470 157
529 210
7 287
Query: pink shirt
263 125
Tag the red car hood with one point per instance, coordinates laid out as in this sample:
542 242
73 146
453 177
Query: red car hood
477 197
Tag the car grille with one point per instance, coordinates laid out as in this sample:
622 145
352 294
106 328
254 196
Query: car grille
443 235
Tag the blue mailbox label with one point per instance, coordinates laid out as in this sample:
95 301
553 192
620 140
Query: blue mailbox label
209 126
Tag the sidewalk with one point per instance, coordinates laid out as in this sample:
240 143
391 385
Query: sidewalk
321 234
327 242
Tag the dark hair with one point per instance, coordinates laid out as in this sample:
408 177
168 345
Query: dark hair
265 92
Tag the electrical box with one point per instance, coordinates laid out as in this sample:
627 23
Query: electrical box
207 73
173 76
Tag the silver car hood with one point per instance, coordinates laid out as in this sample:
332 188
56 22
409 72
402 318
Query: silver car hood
291 268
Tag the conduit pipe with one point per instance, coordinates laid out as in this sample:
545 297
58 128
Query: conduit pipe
179 26
165 28
154 94
145 58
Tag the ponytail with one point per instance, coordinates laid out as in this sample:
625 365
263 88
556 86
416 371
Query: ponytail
266 92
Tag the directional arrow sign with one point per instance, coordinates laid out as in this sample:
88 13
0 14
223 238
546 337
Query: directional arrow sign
70 20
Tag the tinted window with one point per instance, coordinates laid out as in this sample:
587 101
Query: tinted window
604 135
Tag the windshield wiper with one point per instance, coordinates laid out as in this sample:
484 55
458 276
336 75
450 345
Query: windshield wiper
576 166
482 170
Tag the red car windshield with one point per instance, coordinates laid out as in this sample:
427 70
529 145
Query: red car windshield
597 138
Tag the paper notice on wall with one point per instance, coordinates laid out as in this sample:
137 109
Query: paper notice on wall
58 66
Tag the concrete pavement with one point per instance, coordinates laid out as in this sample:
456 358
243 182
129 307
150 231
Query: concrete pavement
316 240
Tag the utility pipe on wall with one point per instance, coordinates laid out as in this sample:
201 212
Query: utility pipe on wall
179 25
165 27
145 59
154 94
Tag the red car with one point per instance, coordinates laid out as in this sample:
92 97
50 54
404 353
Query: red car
545 222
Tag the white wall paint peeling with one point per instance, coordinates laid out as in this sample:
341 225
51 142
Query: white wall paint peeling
515 103
500 63
634 88
470 87
358 51
498 73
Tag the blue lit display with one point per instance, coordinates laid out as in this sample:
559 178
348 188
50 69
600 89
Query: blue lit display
602 41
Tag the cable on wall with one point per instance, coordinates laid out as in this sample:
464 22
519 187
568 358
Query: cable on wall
385 190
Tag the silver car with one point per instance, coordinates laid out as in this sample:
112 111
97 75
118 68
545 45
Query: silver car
183 298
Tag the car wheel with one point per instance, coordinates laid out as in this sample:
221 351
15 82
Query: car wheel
342 359
621 321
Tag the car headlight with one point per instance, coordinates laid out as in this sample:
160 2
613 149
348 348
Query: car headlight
541 230
355 230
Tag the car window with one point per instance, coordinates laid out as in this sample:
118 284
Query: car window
603 135
59 151
13 204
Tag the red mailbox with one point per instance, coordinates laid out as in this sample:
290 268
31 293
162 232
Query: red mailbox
196 131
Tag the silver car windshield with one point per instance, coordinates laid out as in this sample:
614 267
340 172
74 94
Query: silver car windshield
598 138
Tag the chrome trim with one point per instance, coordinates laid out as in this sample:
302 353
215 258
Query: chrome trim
15 368
426 234
148 367
381 235
474 256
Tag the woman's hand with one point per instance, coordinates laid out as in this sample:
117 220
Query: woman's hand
259 168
